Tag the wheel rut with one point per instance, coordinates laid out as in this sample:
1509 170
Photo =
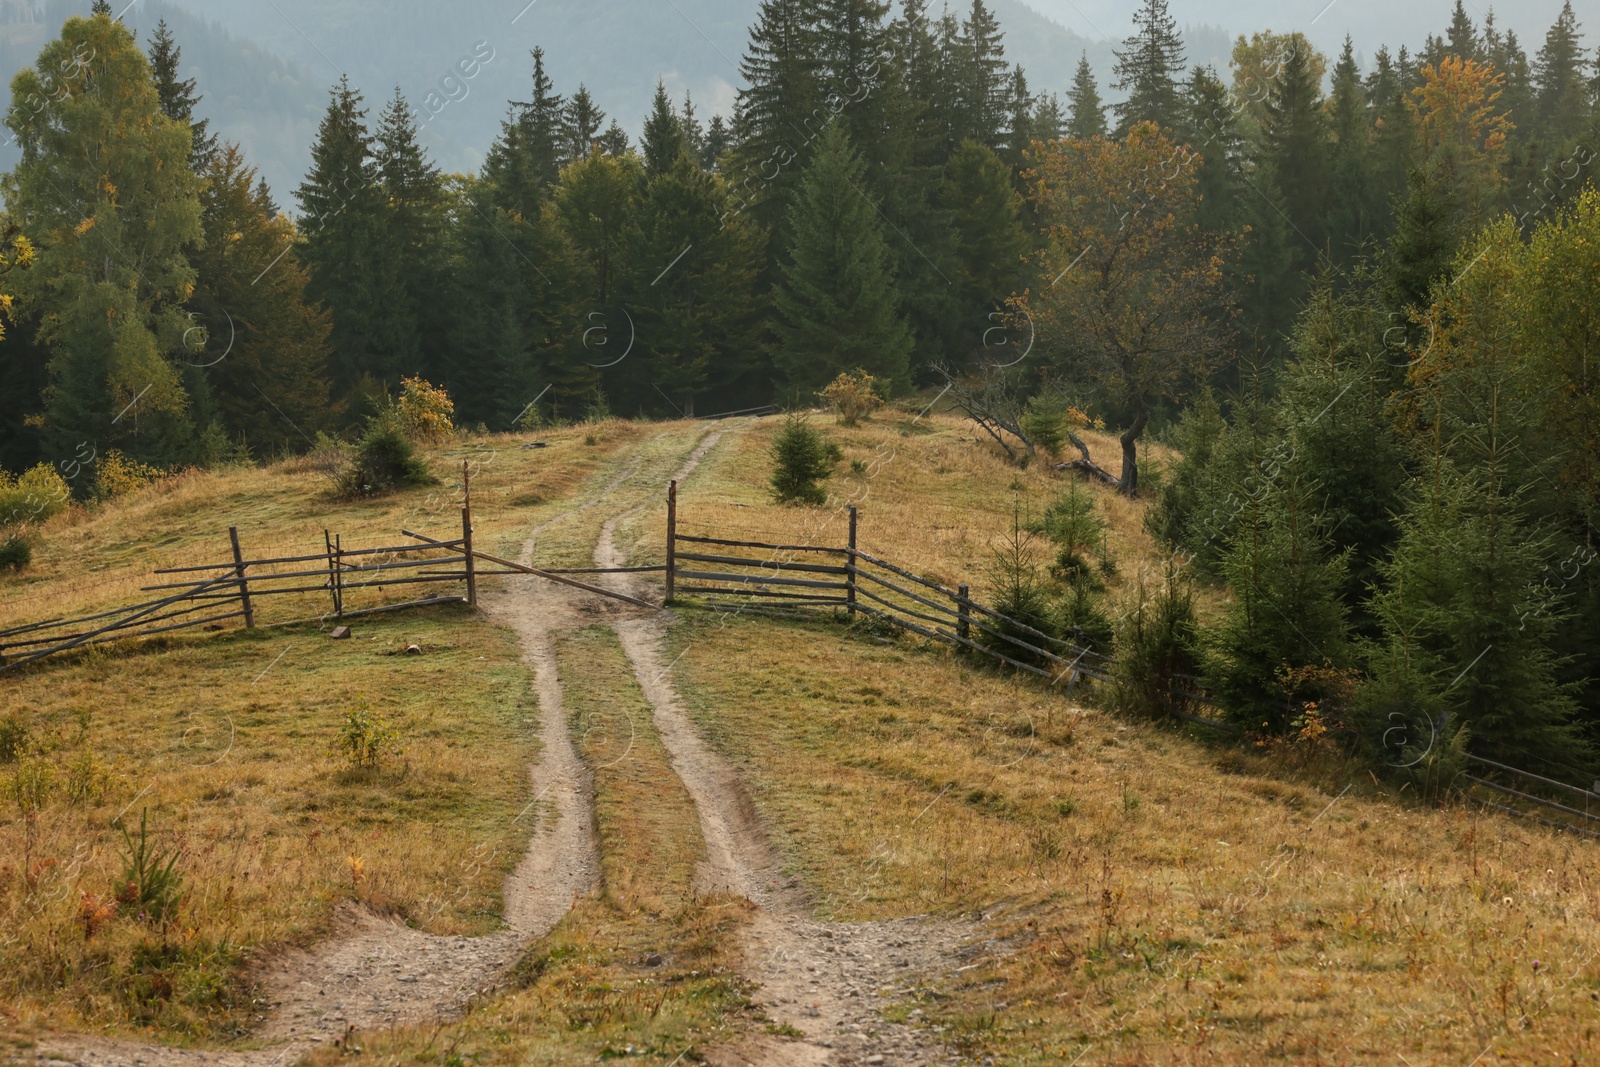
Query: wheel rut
821 980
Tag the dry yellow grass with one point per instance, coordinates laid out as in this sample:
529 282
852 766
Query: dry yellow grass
641 970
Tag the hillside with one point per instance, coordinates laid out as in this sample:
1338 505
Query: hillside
806 840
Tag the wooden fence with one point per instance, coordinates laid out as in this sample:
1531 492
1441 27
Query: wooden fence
789 579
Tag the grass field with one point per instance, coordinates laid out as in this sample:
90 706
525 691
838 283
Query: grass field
1170 900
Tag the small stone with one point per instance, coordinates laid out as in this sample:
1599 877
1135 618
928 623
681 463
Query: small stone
339 633
652 960
413 650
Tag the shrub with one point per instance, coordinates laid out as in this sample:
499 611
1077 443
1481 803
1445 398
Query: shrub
597 410
801 459
853 397
366 739
384 461
1157 640
88 778
33 784
14 737
117 475
151 887
16 552
424 411
34 496
1020 594
1073 524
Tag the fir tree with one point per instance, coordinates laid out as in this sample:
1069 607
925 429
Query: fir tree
614 142
694 135
1148 68
178 98
1424 242
836 305
1019 129
781 89
1086 114
1219 179
1462 36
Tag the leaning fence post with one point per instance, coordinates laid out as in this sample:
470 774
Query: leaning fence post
333 580
672 540
338 574
963 614
466 548
850 566
244 587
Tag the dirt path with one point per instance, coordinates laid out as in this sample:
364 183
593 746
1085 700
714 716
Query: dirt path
824 980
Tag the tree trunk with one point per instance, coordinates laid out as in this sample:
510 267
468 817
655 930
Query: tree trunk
1130 454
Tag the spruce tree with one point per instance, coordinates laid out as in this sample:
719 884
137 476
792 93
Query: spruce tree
415 334
1558 73
614 142
1462 37
104 191
1219 180
545 137
1148 68
178 98
1394 139
1086 114
1286 613
836 304
782 89
694 135
1351 208
691 293
717 141
266 351
978 62
663 139
1019 129
342 208
976 193
1294 139
583 121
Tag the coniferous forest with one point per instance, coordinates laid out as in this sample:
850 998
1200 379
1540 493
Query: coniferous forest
1361 302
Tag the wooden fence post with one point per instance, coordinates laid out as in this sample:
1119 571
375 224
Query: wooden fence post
850 566
963 614
466 535
333 579
244 586
338 574
672 540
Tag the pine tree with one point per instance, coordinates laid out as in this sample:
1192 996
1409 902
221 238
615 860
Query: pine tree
1393 139
663 139
178 98
1148 68
1086 114
583 121
836 305
104 191
1558 76
266 349
1049 120
1019 128
1425 240
341 204
976 193
1219 178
